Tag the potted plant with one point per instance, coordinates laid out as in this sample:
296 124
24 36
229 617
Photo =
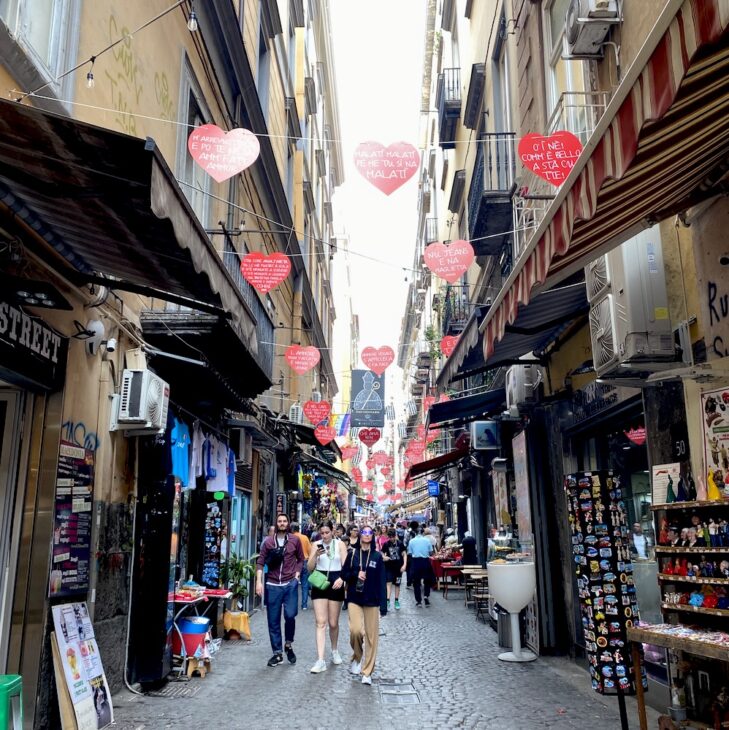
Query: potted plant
236 574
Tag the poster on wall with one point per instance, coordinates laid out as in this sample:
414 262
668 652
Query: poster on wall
715 410
601 554
72 521
665 478
501 498
367 403
214 534
79 658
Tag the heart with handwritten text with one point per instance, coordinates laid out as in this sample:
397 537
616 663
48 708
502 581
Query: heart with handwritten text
223 154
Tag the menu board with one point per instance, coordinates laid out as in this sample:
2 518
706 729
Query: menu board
601 553
78 654
211 555
72 521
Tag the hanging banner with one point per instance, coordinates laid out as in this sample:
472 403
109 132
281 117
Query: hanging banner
714 405
378 359
72 521
387 168
450 261
553 157
302 359
76 654
264 272
223 154
367 403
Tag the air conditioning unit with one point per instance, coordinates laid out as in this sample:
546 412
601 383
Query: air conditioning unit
296 413
522 382
587 25
597 278
141 406
629 322
316 396
241 442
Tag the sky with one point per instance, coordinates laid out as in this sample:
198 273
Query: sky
378 57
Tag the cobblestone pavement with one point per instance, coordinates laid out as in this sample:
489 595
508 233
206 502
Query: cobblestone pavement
440 660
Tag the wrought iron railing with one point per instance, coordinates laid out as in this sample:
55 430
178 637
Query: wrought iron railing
456 309
448 92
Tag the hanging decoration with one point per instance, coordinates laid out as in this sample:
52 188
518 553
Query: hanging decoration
387 168
324 434
449 261
448 344
369 436
348 452
265 272
318 411
378 359
302 359
386 471
379 458
356 475
223 154
553 157
636 435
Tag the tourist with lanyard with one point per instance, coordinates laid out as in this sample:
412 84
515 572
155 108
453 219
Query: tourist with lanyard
327 556
364 574
284 557
396 560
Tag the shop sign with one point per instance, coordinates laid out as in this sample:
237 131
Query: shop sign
280 504
31 348
433 488
597 397
636 435
71 551
367 402
715 413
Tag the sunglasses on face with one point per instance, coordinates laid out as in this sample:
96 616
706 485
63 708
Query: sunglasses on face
366 532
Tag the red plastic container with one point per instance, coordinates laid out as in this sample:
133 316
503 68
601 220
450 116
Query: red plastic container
193 631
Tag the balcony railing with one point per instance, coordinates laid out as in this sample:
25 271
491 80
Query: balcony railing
448 100
490 211
456 309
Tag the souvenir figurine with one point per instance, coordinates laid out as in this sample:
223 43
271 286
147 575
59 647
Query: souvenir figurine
724 568
705 533
681 490
670 496
691 488
713 533
712 492
663 532
723 533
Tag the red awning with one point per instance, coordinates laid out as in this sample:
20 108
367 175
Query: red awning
664 132
431 465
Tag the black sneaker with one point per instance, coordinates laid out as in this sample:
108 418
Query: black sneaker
418 605
275 660
289 654
427 601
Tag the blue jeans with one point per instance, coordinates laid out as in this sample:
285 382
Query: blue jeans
284 597
304 587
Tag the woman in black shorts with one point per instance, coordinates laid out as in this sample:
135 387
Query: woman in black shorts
327 556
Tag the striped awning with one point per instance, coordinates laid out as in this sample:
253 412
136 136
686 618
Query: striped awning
662 137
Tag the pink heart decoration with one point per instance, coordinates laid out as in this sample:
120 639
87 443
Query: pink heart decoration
421 432
302 359
265 272
553 157
367 486
370 498
357 474
448 344
348 452
379 457
415 447
369 436
450 261
387 168
324 434
391 461
428 401
370 463
378 360
223 154
432 435
385 471
317 412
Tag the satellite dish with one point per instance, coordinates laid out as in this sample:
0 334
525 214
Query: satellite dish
96 335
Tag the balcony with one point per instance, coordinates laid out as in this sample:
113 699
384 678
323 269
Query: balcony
448 99
490 207
456 310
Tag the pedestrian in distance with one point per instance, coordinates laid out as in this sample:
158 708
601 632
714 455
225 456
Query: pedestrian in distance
328 557
396 560
420 548
284 557
339 531
306 545
382 538
364 574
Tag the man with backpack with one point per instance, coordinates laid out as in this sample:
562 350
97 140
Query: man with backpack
283 555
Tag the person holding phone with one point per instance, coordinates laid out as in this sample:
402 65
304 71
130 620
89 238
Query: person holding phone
327 556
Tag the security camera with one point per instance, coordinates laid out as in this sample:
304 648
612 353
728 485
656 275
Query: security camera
111 345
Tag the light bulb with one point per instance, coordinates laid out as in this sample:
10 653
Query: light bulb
90 80
192 22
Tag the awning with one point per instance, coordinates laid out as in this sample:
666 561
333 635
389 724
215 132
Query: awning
663 135
305 435
435 464
463 410
113 212
468 342
325 468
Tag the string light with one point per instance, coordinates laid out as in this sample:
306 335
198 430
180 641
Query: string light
90 74
192 19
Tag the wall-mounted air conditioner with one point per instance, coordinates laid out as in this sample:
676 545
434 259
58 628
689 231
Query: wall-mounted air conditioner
142 403
629 322
296 413
522 382
587 25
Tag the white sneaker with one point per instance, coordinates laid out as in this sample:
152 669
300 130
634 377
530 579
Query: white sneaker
320 666
336 657
355 667
366 679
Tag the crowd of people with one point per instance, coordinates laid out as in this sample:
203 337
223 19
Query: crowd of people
358 569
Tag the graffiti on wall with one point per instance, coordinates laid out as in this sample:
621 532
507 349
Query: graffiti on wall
717 302
75 432
125 78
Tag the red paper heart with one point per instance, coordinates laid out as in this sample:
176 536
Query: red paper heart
223 154
421 432
432 435
370 498
302 359
449 262
553 157
265 272
316 412
448 344
367 486
387 168
385 471
415 447
348 452
379 457
390 460
357 474
324 434
378 360
369 436
370 463
428 402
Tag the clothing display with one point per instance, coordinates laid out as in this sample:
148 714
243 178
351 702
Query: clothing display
180 448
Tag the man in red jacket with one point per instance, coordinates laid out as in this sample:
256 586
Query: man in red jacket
284 556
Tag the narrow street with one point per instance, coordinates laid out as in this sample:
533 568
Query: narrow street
437 668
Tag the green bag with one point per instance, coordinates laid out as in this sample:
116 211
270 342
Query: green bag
318 580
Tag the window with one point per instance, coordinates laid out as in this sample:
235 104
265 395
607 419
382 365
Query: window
263 75
502 83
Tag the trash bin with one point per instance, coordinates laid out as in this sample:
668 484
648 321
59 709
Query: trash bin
503 624
11 702
193 630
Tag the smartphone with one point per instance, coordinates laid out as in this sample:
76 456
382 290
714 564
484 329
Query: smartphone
320 548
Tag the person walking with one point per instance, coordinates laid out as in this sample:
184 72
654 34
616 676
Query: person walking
284 557
420 548
306 545
328 557
382 538
352 542
364 574
469 549
396 561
